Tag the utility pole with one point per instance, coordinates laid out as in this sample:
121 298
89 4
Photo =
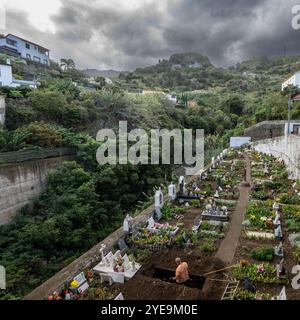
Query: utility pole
289 110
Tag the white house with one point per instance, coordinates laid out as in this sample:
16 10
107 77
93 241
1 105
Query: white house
7 79
19 47
292 81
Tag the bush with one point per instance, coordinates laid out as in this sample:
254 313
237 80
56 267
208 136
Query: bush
42 135
263 254
208 246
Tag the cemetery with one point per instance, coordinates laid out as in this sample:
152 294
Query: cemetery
237 225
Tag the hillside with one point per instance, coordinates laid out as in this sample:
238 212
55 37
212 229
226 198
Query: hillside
102 73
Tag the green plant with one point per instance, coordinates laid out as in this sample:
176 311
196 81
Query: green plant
297 253
167 212
208 246
263 253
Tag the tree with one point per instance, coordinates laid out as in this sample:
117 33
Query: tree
67 63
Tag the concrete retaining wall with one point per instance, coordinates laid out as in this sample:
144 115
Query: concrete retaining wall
21 183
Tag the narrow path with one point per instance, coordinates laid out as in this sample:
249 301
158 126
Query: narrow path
228 246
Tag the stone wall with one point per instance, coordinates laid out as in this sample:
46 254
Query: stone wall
2 110
286 148
20 183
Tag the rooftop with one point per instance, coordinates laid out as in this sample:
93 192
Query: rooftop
33 43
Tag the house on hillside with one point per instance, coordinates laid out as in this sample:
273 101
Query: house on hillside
293 81
18 47
7 79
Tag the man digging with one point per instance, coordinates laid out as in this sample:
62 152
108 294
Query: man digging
181 274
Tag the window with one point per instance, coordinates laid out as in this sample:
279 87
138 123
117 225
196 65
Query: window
35 47
11 42
27 46
37 59
28 56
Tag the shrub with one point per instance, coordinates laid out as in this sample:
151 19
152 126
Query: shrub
208 246
42 135
290 199
263 254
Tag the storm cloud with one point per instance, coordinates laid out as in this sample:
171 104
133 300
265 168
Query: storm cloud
124 35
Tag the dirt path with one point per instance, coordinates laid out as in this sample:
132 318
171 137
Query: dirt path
229 244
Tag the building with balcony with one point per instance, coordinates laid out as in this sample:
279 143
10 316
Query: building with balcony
18 47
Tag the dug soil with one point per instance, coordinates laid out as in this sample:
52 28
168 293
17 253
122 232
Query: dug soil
144 286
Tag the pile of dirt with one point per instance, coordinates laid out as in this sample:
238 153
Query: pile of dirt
145 286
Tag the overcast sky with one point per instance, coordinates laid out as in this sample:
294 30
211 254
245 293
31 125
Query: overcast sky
125 34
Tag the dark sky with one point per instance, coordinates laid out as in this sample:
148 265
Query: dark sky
125 34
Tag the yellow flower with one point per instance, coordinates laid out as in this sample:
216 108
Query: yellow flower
74 284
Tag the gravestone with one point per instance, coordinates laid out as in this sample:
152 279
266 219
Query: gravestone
213 162
101 251
278 233
282 294
119 296
122 245
280 269
159 202
172 192
151 223
181 184
278 251
127 224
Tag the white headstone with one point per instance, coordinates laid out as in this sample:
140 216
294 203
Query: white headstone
119 296
151 223
172 191
282 295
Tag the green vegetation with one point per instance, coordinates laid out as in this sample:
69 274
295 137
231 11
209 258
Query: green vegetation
83 202
263 253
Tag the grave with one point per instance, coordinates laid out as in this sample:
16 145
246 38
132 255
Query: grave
280 270
172 192
212 212
182 195
278 233
196 281
278 250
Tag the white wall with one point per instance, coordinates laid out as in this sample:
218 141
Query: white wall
292 81
286 148
2 110
5 75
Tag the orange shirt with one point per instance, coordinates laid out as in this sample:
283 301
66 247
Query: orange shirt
182 274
